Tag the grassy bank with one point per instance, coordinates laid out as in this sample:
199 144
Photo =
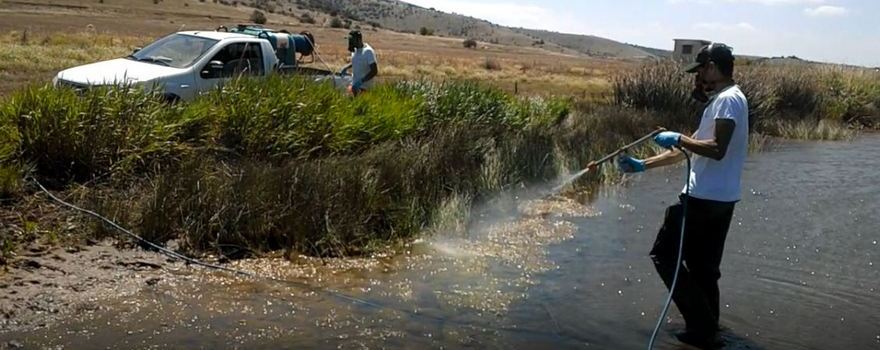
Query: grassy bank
279 164
287 164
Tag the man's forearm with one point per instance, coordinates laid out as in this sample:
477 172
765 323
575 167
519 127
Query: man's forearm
371 74
705 148
663 159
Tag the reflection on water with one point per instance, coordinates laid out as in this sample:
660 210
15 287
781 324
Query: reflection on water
800 272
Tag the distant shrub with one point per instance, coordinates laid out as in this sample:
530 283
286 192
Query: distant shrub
307 18
258 17
491 64
336 23
425 31
469 44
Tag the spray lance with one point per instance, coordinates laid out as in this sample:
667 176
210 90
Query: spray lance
596 163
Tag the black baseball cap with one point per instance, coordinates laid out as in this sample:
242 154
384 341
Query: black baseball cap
355 34
716 52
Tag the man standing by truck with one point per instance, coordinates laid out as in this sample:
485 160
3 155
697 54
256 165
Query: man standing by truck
719 146
364 66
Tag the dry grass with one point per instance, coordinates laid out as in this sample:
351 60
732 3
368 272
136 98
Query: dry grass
61 35
37 58
32 58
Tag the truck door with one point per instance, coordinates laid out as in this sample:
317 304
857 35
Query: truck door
233 61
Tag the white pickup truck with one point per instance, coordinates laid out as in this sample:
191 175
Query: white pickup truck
185 64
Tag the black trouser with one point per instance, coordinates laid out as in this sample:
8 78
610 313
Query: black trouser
696 293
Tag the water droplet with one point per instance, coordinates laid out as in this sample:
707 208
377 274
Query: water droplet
620 292
643 314
874 242
841 319
727 306
771 311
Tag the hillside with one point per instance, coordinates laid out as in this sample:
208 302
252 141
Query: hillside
588 44
408 18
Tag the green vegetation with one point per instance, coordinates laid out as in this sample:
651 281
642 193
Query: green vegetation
289 164
281 163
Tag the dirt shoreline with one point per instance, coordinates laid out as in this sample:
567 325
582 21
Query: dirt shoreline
44 284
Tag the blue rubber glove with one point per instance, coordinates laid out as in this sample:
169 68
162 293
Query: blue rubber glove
356 85
629 164
667 139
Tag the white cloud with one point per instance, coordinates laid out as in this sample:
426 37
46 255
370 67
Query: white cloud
724 27
826 11
781 2
762 2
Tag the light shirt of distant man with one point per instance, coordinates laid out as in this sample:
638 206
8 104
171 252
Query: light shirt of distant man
361 59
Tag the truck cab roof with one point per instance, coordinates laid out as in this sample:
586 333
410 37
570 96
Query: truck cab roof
218 35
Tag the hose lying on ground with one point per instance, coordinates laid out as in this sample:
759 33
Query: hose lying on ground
337 294
175 255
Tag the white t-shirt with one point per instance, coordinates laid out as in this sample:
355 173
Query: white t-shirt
719 180
361 59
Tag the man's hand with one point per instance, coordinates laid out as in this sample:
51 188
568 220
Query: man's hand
668 139
629 164
699 92
357 85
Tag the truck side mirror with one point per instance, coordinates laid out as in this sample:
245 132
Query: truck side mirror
214 69
135 50
216 65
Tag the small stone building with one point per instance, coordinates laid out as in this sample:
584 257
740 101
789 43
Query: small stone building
686 49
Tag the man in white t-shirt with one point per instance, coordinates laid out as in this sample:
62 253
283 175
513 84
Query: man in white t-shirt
364 66
719 149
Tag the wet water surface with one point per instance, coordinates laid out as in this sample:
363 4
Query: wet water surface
800 271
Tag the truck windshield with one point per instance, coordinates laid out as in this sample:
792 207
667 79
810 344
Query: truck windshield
175 50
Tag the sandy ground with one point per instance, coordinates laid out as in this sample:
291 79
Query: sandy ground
45 284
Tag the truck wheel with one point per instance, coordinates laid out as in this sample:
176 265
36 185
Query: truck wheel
171 99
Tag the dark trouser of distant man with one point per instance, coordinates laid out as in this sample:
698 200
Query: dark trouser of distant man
719 148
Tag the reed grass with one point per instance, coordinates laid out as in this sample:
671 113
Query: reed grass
783 100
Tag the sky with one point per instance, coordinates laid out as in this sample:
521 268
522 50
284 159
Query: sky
840 31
